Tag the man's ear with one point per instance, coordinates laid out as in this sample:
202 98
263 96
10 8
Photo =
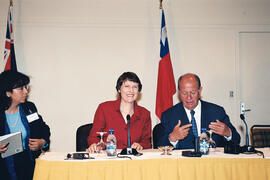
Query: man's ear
200 92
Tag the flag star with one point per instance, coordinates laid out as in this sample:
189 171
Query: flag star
163 35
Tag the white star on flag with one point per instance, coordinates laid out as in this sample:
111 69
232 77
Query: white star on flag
163 35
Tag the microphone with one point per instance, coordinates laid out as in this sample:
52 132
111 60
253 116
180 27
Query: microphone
78 156
247 149
129 150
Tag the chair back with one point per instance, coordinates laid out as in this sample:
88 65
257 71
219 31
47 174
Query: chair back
81 137
260 136
157 132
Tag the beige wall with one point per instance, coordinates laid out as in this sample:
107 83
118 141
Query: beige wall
74 52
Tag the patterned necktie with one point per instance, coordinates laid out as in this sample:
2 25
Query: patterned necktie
193 122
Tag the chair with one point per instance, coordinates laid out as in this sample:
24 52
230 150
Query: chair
81 137
260 136
157 132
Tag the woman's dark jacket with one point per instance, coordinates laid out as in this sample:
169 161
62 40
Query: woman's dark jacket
36 129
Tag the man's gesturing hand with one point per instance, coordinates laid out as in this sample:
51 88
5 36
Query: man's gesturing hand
179 133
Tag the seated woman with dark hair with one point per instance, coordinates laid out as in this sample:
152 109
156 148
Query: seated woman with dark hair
112 115
19 115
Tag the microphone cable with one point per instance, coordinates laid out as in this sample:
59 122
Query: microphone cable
259 153
120 156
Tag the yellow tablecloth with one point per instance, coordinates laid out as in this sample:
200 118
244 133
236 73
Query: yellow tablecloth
159 168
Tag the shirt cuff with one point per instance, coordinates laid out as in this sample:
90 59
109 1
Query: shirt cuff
173 143
229 137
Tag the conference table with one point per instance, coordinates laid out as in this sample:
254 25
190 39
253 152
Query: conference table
153 165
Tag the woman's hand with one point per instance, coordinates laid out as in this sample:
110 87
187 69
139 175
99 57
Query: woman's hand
92 148
3 148
137 146
36 144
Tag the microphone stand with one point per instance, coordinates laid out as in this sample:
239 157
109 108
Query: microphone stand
246 149
196 152
129 150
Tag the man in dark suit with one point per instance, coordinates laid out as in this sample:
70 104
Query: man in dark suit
185 120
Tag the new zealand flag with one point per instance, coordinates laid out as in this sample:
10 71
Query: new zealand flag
9 53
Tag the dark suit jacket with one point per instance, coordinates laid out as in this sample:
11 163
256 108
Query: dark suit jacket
36 129
209 113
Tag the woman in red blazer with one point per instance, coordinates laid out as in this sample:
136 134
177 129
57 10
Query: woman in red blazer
112 115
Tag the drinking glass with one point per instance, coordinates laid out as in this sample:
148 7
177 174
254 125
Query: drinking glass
165 150
101 145
212 143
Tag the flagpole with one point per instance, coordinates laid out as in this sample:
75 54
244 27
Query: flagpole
160 4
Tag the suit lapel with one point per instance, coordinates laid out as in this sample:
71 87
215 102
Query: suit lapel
182 113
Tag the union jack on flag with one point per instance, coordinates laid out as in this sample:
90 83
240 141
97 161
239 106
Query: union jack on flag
9 52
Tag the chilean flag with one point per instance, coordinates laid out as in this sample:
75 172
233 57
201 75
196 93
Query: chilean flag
9 53
165 84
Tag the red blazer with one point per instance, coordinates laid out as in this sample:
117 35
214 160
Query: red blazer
108 116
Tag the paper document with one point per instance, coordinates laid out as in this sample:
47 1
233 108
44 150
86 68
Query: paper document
15 143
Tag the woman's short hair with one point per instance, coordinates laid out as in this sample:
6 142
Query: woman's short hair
10 80
131 76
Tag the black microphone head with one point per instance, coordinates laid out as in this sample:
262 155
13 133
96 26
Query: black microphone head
128 117
242 117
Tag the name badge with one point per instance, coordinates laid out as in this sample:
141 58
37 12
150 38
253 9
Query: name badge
32 117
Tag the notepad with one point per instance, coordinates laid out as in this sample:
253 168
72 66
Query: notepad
15 143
